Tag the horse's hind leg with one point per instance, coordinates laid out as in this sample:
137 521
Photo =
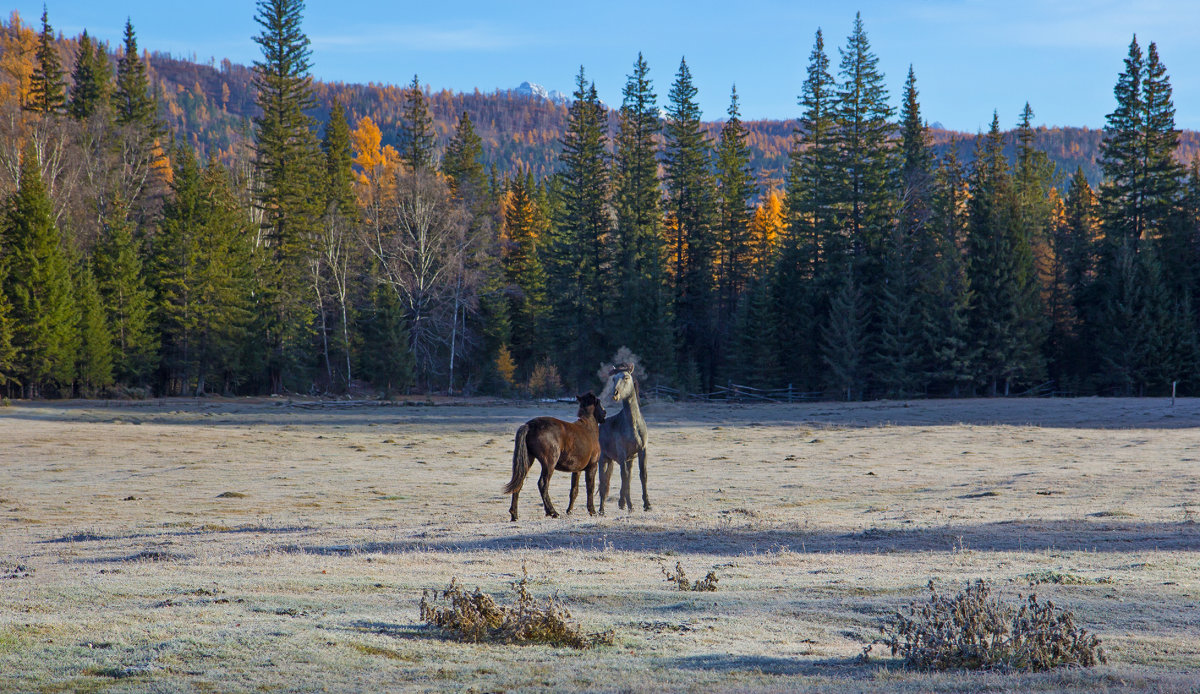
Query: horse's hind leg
591 486
642 473
544 488
574 491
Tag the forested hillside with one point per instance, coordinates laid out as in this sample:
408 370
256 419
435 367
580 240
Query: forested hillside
213 104
171 228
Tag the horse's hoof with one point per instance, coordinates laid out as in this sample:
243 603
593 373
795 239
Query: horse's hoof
553 514
602 512
647 507
592 513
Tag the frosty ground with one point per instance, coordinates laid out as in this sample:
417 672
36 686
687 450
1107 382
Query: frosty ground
235 545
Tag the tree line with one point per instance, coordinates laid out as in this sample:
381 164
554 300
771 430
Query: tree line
321 258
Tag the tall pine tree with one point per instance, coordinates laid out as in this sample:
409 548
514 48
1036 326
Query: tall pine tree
39 288
288 163
91 79
690 211
47 90
417 138
581 244
644 323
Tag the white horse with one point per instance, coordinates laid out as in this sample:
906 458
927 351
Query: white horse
622 436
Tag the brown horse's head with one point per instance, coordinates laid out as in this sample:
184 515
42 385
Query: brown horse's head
589 404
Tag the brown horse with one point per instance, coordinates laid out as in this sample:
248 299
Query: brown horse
566 446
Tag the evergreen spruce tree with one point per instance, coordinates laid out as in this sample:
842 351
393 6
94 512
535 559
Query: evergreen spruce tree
644 323
8 352
690 212
525 287
944 315
735 188
47 89
91 80
339 159
203 270
909 255
39 288
1004 320
843 343
580 243
95 357
386 358
1073 240
863 124
127 300
463 162
755 360
417 138
288 163
132 102
804 277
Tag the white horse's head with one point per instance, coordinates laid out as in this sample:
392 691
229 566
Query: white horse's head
620 386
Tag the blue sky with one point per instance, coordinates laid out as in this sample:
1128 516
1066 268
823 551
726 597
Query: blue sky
970 56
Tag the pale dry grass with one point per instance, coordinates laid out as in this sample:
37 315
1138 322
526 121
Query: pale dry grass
240 545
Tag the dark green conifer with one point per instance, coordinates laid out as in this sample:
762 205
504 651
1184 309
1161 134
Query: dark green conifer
735 188
843 342
463 162
132 102
644 324
339 170
525 287
95 357
690 211
92 82
127 300
417 138
47 89
803 277
863 119
580 241
39 288
386 356
288 164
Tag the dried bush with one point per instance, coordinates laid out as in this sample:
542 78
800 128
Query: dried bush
545 381
477 617
974 630
707 584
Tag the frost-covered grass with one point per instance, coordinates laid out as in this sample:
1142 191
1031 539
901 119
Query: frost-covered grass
239 545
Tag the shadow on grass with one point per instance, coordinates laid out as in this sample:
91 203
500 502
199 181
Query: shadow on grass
852 668
93 537
1074 413
1005 536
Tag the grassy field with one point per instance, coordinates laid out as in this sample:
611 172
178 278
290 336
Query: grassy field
231 545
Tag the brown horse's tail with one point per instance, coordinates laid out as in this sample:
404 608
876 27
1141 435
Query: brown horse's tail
521 461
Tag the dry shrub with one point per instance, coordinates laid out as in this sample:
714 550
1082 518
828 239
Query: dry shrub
545 381
476 617
973 630
708 584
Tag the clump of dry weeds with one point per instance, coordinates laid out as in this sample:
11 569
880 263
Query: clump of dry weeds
477 617
973 630
707 584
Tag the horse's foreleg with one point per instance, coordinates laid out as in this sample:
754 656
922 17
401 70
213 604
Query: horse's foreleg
642 473
574 491
544 488
606 469
626 474
591 486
